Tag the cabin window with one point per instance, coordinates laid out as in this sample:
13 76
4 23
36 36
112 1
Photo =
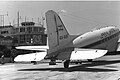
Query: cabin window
108 38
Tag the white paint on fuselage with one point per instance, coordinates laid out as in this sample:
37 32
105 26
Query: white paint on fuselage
95 36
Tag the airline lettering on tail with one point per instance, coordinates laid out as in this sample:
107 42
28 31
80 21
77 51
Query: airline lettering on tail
60 28
63 37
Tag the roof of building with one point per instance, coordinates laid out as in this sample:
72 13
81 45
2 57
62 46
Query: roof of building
7 26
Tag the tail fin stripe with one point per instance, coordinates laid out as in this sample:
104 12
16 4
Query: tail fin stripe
56 30
62 24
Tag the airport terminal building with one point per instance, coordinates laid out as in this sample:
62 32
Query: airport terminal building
27 34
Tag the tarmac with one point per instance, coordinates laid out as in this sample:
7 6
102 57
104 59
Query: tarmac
104 68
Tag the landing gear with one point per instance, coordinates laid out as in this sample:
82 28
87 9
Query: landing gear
90 60
78 62
34 62
66 63
52 62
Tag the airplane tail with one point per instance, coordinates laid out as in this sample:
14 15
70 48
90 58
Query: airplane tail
57 33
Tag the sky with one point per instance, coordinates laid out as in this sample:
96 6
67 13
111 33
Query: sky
78 16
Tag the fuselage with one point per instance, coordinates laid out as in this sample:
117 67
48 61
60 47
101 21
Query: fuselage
103 38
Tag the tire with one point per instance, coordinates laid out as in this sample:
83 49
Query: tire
76 62
90 60
66 64
52 62
80 62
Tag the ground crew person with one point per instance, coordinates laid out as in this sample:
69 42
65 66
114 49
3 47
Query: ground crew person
2 59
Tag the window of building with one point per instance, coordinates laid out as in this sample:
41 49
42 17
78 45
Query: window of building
16 30
29 29
4 32
22 29
41 30
22 38
28 38
36 29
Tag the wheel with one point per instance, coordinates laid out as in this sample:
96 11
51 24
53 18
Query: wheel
66 64
80 62
34 62
76 62
90 60
52 62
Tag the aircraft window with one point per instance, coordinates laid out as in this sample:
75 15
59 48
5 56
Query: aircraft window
114 35
104 40
117 33
109 38
99 42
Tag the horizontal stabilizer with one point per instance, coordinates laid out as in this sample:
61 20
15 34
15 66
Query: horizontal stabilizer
39 48
81 54
30 57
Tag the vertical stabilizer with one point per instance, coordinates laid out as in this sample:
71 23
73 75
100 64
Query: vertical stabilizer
57 33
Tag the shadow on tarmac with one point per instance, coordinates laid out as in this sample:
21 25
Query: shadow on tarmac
83 67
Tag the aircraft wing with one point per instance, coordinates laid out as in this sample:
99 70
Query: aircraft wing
30 57
80 54
39 48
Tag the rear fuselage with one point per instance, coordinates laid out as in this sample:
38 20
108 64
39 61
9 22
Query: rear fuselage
104 38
